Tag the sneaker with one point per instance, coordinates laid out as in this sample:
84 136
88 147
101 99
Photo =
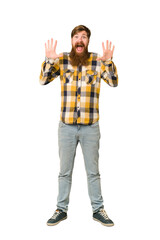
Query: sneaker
57 217
101 216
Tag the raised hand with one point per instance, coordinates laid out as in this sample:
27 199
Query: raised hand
107 52
50 50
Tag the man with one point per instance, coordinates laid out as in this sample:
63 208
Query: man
80 74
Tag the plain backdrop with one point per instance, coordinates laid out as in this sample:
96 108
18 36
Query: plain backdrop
129 121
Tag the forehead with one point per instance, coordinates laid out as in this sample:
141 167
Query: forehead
81 33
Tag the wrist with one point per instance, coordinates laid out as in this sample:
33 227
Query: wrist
49 60
108 60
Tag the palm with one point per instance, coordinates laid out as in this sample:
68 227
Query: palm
107 52
50 50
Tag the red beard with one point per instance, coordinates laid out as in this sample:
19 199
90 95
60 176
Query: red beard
79 58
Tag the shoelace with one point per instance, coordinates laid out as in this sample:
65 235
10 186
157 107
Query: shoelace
55 215
103 214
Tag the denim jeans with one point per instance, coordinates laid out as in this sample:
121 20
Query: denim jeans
68 138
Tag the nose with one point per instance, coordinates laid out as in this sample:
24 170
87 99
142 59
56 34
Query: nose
79 38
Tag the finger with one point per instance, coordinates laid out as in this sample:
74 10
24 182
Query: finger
60 55
107 45
45 48
55 45
98 59
110 45
103 46
113 49
48 44
51 42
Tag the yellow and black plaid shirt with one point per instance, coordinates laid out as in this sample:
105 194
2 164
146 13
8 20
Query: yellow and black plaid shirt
80 86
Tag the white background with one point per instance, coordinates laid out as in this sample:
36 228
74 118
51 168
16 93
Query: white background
129 121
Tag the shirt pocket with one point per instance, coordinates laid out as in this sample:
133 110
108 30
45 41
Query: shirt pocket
91 76
68 76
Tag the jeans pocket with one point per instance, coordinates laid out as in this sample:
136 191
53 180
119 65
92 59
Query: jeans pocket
61 124
95 124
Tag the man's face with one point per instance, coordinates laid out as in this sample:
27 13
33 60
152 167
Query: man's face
80 42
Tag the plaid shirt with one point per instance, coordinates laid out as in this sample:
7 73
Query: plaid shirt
80 86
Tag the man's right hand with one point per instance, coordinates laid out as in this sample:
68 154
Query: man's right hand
50 50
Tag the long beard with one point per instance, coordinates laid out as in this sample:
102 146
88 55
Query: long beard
79 59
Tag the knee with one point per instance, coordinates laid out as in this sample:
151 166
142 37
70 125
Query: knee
67 176
93 176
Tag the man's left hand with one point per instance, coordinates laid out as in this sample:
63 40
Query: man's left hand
107 52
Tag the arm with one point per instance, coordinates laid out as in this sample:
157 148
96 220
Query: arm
50 67
108 68
49 71
109 73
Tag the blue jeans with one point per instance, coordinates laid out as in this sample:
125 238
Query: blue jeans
68 138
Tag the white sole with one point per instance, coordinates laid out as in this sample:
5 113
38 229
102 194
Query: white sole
108 225
53 224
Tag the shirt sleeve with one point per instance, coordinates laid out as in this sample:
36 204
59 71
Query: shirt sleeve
49 71
109 73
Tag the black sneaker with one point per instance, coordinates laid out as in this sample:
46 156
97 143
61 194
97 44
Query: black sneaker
101 216
57 217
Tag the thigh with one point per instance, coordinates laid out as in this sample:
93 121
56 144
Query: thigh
67 146
90 136
90 147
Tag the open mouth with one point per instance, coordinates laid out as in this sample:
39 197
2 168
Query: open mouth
79 48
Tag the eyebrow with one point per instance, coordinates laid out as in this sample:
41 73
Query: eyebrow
82 34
